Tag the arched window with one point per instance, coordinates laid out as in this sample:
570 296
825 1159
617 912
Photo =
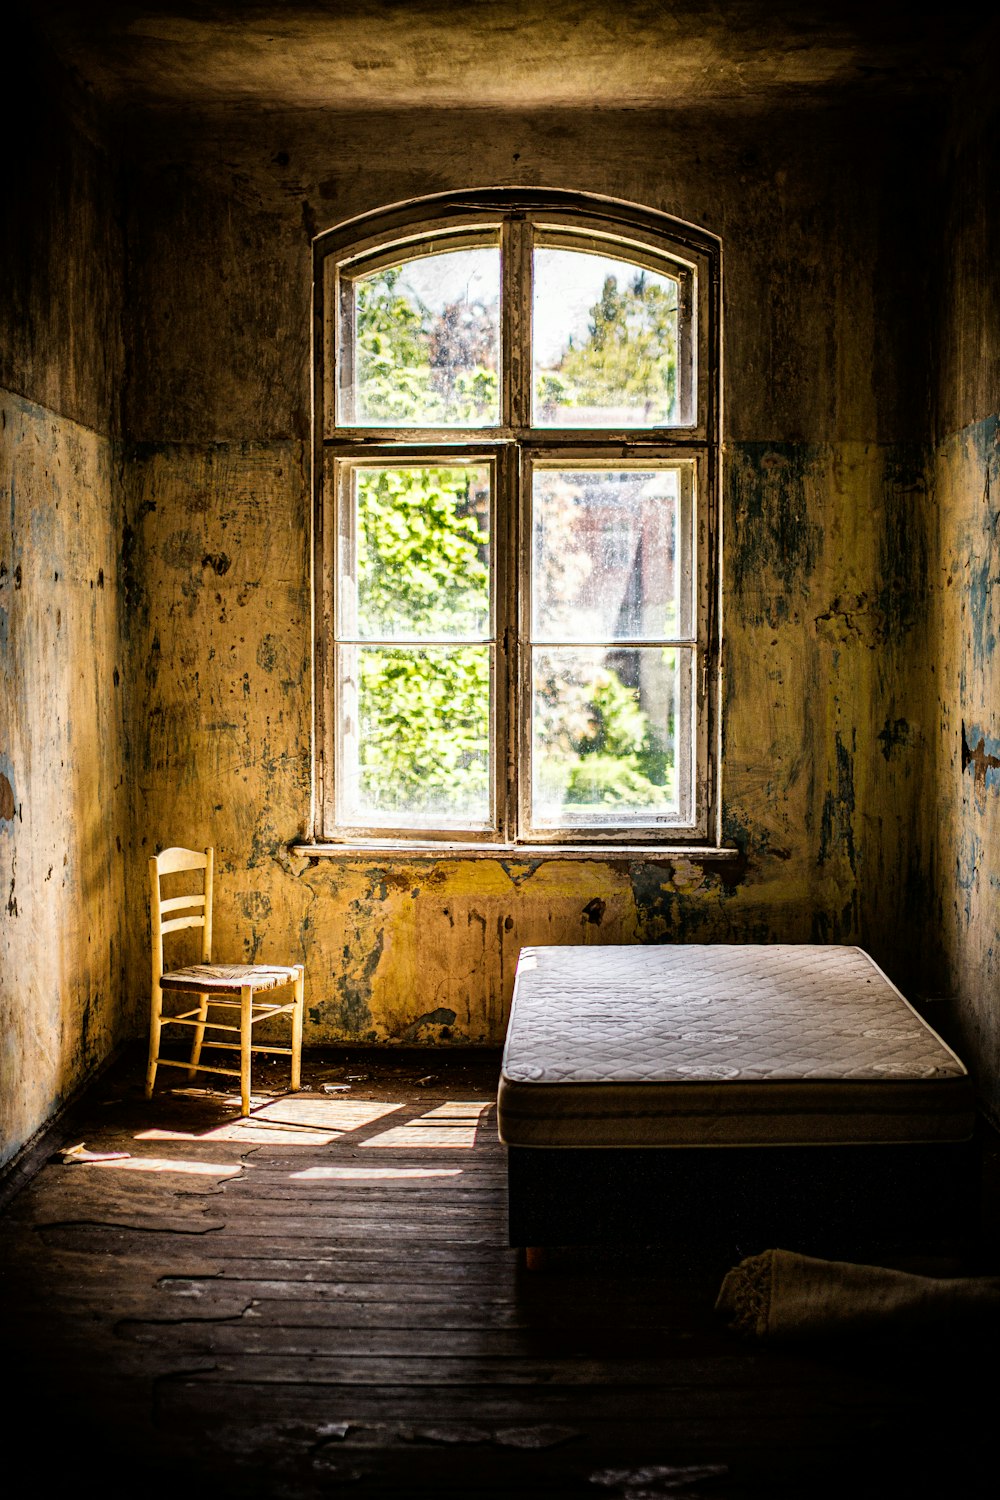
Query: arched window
516 573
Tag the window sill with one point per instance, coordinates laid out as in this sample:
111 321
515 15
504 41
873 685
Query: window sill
447 850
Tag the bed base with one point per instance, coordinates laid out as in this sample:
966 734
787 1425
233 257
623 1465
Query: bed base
833 1201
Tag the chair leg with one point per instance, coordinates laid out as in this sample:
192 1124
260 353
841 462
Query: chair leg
199 1035
246 1037
155 1027
300 989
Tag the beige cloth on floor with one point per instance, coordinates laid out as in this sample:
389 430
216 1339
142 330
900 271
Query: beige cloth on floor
782 1296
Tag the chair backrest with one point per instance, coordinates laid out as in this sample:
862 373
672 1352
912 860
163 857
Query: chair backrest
172 913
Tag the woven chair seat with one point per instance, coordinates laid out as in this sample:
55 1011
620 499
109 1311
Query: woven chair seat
227 978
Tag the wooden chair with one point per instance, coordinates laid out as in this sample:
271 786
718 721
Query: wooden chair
227 987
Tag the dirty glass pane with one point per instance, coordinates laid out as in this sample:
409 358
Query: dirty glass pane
605 562
415 549
425 342
604 339
605 734
415 735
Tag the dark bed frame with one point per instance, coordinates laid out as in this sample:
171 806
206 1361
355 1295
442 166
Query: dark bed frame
833 1201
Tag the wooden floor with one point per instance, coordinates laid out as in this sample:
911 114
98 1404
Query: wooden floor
321 1300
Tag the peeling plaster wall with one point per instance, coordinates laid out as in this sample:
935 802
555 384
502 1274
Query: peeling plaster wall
824 509
963 817
64 813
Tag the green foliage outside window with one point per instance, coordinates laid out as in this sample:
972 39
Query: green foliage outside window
423 567
630 355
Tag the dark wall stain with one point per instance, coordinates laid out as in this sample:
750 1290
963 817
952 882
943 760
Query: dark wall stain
384 880
178 550
837 823
655 905
442 1016
594 911
134 594
7 807
731 873
773 541
836 926
980 759
218 562
903 568
350 1015
892 735
267 654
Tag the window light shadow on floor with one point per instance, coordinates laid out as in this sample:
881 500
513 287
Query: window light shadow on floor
165 1164
370 1174
451 1127
292 1121
307 1121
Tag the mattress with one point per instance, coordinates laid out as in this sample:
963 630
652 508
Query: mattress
721 1045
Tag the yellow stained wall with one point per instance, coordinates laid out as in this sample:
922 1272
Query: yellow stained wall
416 950
63 803
823 474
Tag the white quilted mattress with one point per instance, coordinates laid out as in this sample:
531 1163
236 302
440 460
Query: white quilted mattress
703 1045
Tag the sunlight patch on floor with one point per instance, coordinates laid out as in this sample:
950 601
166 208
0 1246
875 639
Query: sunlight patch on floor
163 1164
371 1174
449 1127
294 1121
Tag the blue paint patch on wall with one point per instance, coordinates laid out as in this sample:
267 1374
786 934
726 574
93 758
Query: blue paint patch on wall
984 570
9 808
967 870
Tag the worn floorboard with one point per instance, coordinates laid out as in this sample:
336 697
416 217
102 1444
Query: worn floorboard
321 1300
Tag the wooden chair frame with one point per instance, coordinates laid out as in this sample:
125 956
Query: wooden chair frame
226 987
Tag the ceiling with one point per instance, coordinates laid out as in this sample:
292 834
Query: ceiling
393 54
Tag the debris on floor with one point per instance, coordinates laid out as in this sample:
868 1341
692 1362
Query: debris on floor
71 1155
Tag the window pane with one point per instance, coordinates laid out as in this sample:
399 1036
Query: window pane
605 734
605 563
421 538
604 336
415 735
426 342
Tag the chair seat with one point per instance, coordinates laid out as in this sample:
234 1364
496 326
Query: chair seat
227 978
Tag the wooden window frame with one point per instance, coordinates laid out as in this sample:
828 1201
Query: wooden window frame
513 447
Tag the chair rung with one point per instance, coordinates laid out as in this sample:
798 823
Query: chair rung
180 903
172 1062
212 1025
259 1008
186 1020
235 1047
